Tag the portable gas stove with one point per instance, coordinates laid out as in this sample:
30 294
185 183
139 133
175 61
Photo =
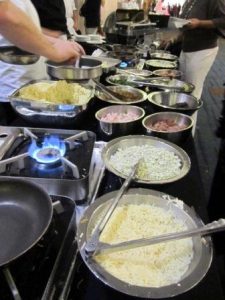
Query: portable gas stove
57 160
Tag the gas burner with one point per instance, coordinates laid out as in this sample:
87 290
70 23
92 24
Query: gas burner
50 151
58 160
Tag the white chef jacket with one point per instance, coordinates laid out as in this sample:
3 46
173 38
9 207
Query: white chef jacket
14 76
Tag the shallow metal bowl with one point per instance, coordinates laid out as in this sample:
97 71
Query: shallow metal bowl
174 101
202 248
45 113
16 56
139 140
115 129
139 95
122 79
163 55
87 69
171 73
177 137
154 64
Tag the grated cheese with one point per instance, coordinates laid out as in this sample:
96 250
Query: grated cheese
150 266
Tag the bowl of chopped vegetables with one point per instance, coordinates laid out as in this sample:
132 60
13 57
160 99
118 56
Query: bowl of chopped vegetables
172 126
119 120
161 161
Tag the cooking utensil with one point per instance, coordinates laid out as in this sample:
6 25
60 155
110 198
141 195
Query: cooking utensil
16 56
113 95
202 248
88 69
207 229
93 241
25 214
8 141
140 140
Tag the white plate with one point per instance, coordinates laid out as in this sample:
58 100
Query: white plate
179 23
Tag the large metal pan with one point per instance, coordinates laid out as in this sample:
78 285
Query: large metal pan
25 214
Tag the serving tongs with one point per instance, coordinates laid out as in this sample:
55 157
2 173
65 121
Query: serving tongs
93 243
215 226
113 95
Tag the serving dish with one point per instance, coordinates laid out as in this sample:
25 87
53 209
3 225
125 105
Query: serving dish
202 248
135 72
16 56
154 64
174 101
171 73
87 68
114 128
166 83
162 55
132 94
49 113
175 167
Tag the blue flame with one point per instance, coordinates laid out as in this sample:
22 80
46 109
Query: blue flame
50 151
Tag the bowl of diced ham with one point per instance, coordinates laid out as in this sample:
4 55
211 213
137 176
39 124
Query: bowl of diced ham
172 126
119 120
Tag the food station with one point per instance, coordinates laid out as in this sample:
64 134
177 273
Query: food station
116 126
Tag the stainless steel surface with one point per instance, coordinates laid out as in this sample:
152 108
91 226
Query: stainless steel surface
207 229
203 250
93 241
115 129
177 137
16 56
166 83
141 96
139 140
45 113
6 141
75 189
173 101
88 69
108 63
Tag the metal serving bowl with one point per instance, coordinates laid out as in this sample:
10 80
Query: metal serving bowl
139 140
202 248
168 73
154 64
173 101
16 56
50 114
139 95
87 69
162 55
179 119
115 129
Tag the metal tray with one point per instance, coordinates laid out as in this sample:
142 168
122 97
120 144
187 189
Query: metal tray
202 247
139 140
160 63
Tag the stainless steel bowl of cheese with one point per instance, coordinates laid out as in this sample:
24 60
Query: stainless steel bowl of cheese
157 271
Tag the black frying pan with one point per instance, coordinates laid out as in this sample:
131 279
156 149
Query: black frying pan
25 214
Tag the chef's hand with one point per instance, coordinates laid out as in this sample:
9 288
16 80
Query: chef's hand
67 50
193 23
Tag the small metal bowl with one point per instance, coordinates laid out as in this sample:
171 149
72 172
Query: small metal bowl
139 95
178 136
168 73
115 129
173 101
88 68
16 56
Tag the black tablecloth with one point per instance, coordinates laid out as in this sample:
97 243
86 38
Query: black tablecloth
189 189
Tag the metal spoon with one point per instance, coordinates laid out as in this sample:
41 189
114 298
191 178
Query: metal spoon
204 230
